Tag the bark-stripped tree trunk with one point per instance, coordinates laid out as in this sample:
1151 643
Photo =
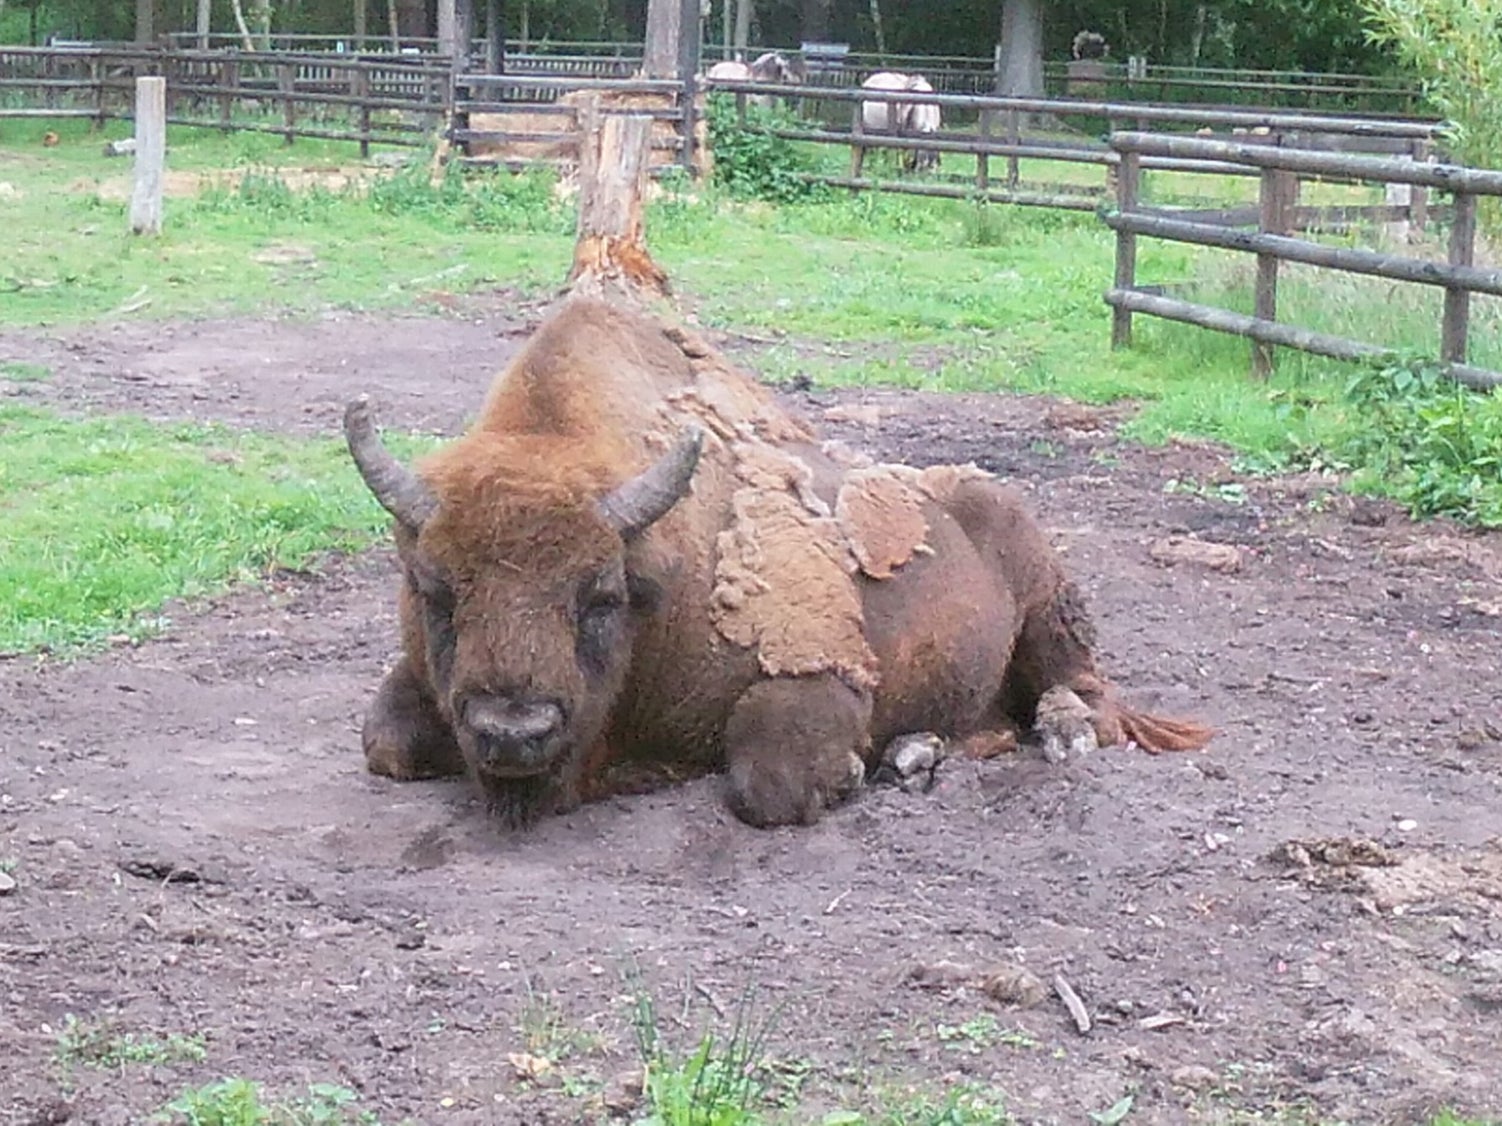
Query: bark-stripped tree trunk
660 58
1022 48
204 22
742 25
610 252
145 20
239 13
881 38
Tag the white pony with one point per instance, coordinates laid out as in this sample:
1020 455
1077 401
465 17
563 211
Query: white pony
903 119
770 67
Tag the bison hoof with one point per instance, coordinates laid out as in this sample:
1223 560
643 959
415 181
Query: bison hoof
910 760
1064 726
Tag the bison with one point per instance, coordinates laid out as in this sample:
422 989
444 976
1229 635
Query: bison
635 559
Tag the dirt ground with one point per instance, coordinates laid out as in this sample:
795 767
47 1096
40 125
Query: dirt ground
197 848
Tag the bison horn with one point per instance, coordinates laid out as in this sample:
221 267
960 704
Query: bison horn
400 491
638 503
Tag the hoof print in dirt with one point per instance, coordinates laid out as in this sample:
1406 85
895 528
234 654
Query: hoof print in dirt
911 762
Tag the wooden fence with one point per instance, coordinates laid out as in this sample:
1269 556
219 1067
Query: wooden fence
524 120
1002 132
1279 170
389 100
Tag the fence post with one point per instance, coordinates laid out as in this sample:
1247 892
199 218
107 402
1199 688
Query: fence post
1127 179
982 161
229 79
1418 207
1452 340
1014 138
362 91
287 82
687 121
96 77
857 141
1274 203
151 150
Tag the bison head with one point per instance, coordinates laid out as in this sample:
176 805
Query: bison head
520 605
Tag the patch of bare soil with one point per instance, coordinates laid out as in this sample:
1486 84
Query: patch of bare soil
186 183
1308 913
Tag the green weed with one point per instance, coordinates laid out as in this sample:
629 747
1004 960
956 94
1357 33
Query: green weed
751 163
962 1105
95 1044
106 518
1427 441
239 1102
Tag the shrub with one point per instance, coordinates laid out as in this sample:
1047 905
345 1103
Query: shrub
1429 442
750 162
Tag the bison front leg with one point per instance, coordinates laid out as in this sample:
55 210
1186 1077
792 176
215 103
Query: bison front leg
794 746
404 736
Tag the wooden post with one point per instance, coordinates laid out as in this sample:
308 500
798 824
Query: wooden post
1274 199
689 35
1456 327
362 91
660 53
610 252
1418 205
1127 177
150 157
446 19
361 25
982 161
495 38
287 82
857 140
229 78
1014 137
96 78
205 11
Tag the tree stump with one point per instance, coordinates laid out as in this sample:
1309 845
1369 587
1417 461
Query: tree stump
610 252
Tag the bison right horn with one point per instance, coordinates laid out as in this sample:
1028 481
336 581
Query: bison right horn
637 504
400 491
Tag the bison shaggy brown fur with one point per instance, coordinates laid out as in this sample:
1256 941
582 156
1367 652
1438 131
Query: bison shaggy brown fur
636 560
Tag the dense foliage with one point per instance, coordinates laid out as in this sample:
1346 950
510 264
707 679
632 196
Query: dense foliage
749 162
1429 442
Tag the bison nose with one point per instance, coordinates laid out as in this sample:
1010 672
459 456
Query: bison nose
514 736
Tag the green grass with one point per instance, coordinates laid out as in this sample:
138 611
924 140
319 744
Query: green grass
70 259
106 518
19 371
240 1102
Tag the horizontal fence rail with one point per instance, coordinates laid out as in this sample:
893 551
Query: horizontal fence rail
1001 131
1279 169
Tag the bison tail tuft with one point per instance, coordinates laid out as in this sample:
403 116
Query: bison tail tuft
1156 733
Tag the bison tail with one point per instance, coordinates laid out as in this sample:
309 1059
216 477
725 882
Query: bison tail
1155 733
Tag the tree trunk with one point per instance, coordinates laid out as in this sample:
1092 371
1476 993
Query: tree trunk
446 17
660 59
816 20
239 14
1022 48
361 26
396 28
204 23
742 25
881 39
610 252
495 38
262 10
1197 38
145 20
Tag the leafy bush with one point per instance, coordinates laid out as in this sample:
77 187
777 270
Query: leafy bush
1429 442
1455 47
748 161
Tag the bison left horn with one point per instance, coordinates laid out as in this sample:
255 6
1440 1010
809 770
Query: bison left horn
400 491
638 503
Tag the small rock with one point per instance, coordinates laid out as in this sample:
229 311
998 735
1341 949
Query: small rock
1407 825
1014 986
1194 1077
7 882
1170 550
9 193
624 1093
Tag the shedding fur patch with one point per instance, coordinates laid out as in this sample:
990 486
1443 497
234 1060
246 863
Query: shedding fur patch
881 517
783 585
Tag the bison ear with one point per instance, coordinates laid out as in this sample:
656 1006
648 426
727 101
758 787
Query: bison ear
637 504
